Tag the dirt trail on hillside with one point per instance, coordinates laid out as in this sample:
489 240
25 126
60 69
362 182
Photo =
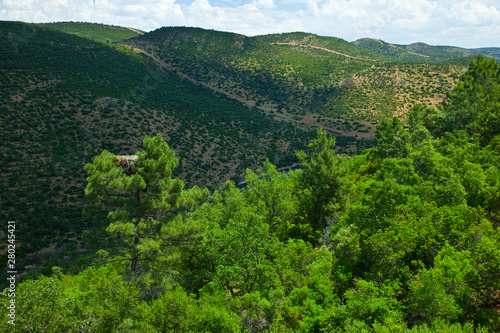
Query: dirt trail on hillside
137 31
163 64
287 118
322 48
415 53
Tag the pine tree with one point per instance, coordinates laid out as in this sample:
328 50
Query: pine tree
144 204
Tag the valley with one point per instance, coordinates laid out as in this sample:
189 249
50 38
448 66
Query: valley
224 102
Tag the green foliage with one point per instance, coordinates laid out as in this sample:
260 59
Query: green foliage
389 143
443 291
322 182
273 193
241 252
474 102
428 117
41 306
142 200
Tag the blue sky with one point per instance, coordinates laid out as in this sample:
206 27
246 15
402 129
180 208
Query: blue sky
465 23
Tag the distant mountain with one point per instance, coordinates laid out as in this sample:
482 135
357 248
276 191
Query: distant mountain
439 53
314 44
490 51
421 52
417 52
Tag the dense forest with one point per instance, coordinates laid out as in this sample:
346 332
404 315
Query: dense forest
402 237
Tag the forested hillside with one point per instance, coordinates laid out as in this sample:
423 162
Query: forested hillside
302 78
224 102
403 237
64 98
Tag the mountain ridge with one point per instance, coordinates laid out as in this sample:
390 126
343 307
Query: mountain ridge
434 53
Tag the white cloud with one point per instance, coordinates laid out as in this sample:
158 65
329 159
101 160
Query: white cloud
402 21
464 23
473 12
264 3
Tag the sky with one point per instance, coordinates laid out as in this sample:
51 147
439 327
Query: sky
464 23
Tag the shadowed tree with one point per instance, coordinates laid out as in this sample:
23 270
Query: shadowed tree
322 181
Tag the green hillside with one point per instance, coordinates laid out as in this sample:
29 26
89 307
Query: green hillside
490 51
404 237
310 43
417 52
390 50
99 32
64 98
121 153
304 85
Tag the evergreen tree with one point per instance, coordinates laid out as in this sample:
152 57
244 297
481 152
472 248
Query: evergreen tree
322 181
143 201
475 102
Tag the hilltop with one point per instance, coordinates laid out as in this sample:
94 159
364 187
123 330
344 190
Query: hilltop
99 32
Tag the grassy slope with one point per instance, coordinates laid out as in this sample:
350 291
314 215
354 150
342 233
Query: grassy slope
417 52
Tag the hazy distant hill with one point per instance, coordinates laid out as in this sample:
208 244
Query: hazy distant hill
490 51
311 43
421 52
417 52
439 53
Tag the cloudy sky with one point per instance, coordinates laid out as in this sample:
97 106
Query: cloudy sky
465 23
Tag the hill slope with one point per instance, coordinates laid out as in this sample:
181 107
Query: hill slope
64 98
421 52
296 77
490 51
